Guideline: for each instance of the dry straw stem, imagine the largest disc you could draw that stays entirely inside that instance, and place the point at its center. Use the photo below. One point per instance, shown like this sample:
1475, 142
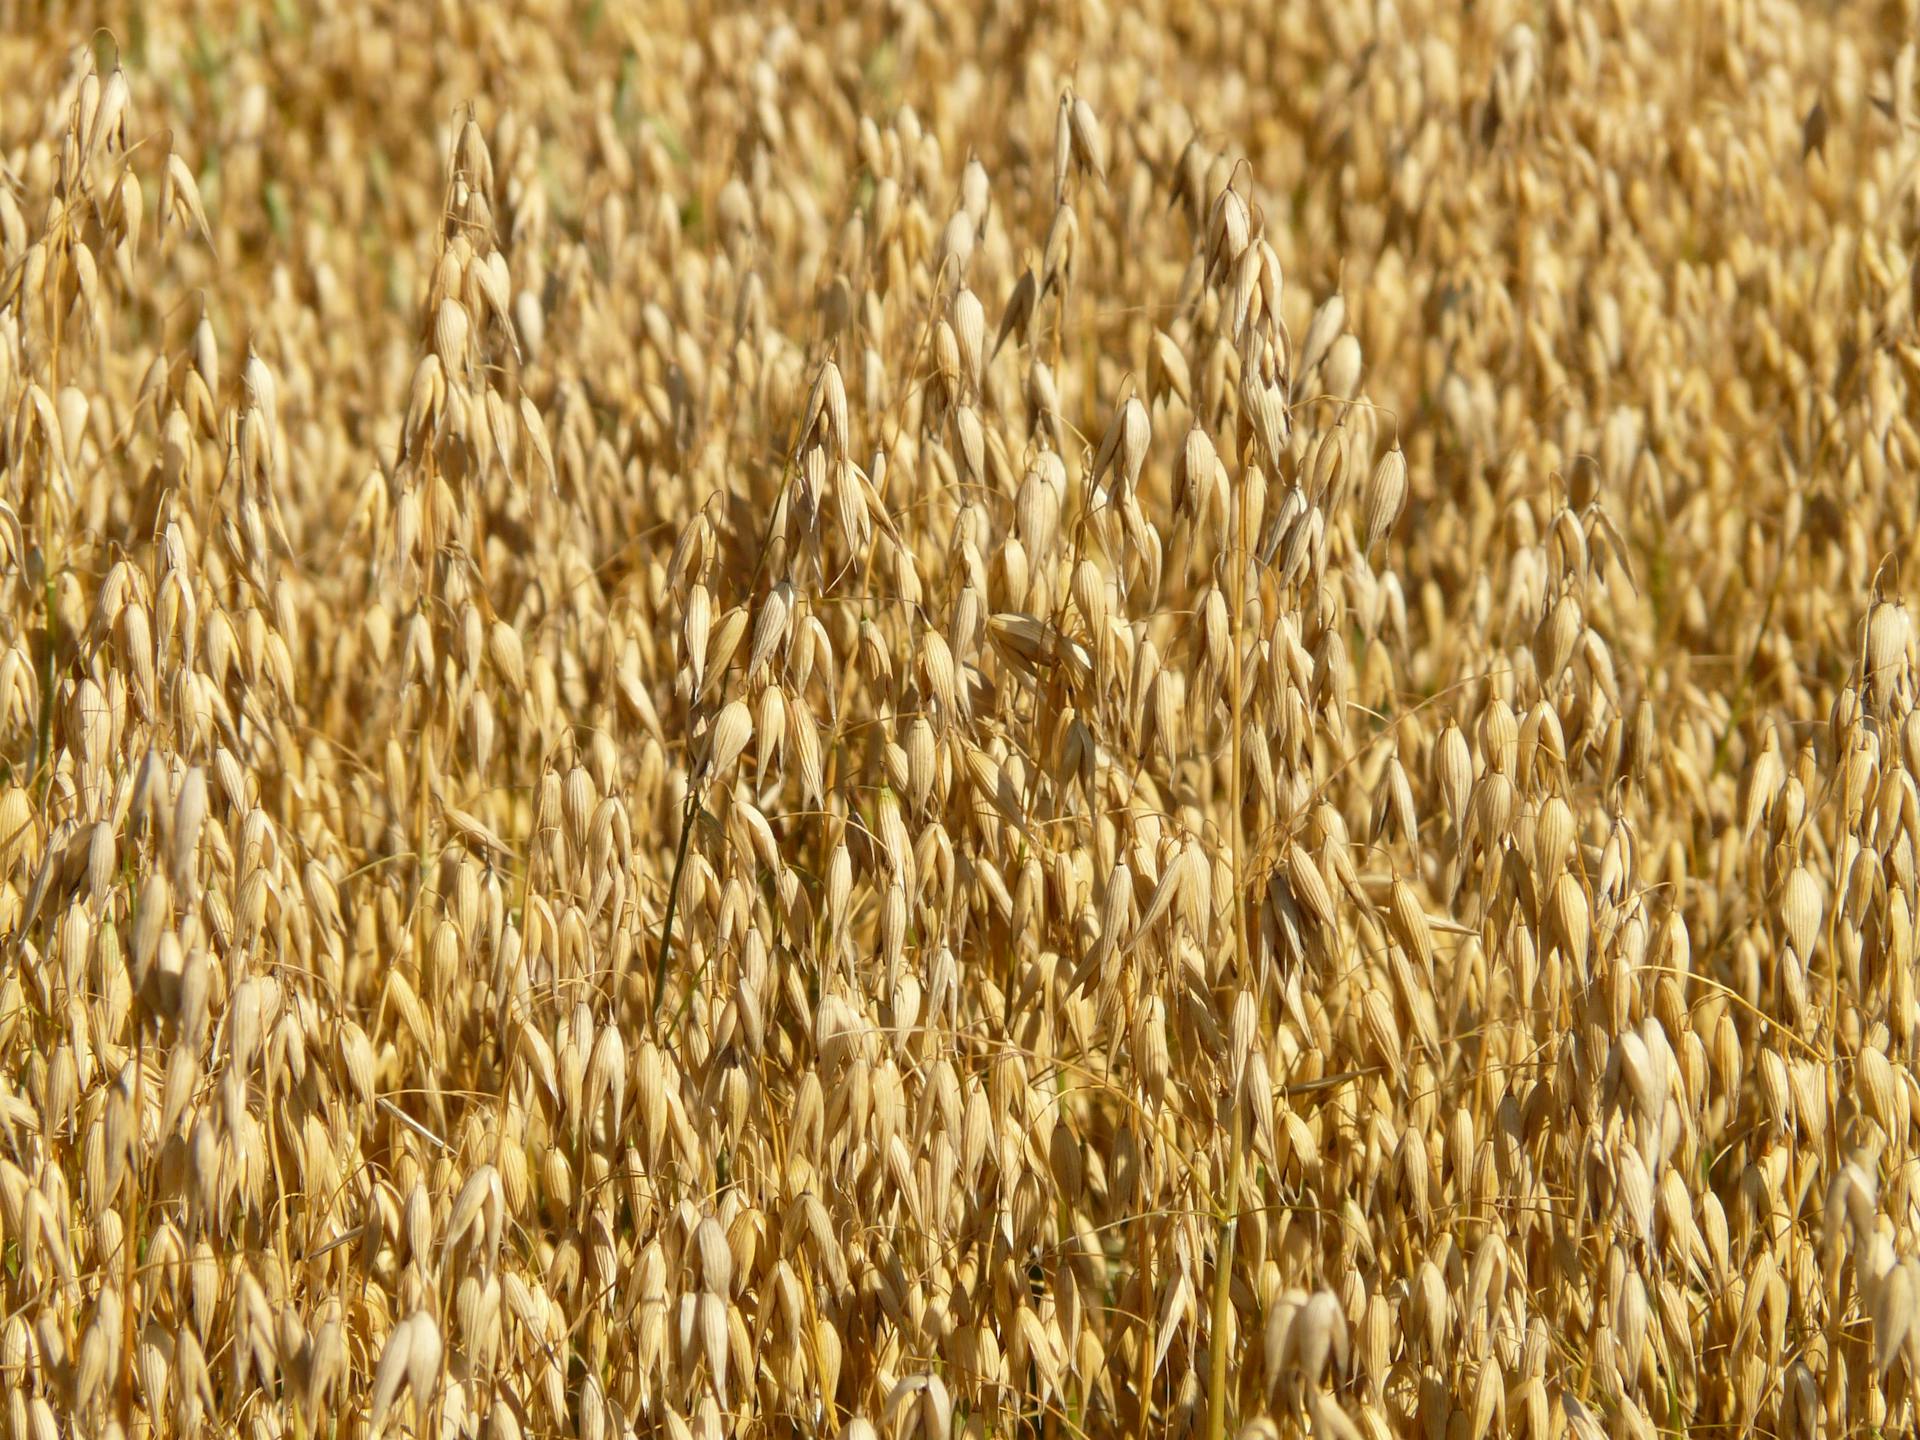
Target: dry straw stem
1174, 721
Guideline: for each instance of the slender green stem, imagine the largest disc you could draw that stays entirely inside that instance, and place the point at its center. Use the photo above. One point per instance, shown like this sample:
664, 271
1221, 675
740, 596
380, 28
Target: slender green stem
1223, 1282
691, 809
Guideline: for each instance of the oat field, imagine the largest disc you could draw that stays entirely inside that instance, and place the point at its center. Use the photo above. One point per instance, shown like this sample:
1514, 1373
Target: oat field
934, 720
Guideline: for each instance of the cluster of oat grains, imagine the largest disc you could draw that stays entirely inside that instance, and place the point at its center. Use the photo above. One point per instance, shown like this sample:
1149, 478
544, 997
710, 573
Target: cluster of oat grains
949, 721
